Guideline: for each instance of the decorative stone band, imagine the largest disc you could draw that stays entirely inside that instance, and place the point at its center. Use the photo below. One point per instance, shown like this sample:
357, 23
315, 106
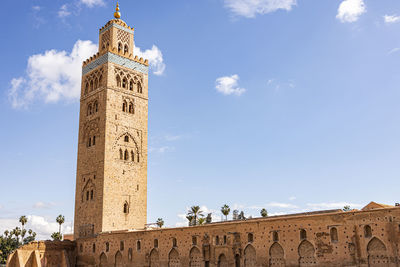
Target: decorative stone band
116, 26
113, 58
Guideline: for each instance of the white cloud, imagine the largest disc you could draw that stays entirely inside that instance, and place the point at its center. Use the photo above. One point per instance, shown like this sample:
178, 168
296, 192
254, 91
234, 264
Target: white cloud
52, 76
332, 205
389, 19
228, 85
155, 57
292, 198
36, 8
56, 75
92, 3
64, 12
350, 10
250, 8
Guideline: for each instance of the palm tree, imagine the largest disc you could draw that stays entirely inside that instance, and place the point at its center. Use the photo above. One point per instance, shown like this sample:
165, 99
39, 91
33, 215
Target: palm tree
6, 232
23, 220
60, 220
264, 213
201, 221
17, 233
23, 233
160, 222
195, 212
225, 210
190, 219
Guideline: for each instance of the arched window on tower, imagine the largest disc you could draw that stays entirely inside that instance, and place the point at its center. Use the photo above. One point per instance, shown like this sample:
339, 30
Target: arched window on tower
126, 208
91, 85
90, 142
124, 83
156, 243
118, 81
119, 47
121, 154
96, 106
139, 88
100, 80
131, 85
96, 83
89, 109
126, 49
91, 195
130, 107
132, 156
126, 155
86, 88
124, 106
126, 138
94, 140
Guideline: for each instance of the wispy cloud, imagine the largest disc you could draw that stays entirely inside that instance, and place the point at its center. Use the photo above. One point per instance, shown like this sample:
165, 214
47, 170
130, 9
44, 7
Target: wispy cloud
92, 3
390, 19
64, 12
394, 50
43, 205
250, 8
171, 138
277, 85
292, 198
229, 85
161, 150
38, 20
350, 10
332, 205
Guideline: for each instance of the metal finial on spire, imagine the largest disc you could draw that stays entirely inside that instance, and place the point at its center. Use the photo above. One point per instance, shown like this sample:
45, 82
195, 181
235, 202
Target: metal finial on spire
117, 14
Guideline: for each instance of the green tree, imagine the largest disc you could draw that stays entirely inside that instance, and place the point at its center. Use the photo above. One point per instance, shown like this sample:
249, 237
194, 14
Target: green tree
225, 209
201, 221
23, 220
60, 220
160, 222
264, 213
17, 233
209, 218
190, 219
56, 236
195, 212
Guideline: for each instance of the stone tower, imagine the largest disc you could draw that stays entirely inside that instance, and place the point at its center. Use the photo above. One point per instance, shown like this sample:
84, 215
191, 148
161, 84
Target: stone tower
111, 180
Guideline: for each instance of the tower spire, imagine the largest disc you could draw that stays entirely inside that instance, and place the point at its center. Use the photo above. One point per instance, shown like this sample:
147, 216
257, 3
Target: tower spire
117, 14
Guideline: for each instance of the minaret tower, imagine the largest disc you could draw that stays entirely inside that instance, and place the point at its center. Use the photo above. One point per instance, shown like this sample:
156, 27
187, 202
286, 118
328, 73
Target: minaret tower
111, 180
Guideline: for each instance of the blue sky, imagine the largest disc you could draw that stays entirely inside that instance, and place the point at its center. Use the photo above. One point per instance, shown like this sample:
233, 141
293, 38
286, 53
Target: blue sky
288, 105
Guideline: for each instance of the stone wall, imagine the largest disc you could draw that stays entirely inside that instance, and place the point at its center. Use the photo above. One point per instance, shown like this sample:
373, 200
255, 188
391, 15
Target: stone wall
356, 238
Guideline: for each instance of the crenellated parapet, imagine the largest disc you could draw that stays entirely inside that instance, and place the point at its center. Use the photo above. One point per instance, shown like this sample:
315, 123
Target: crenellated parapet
114, 50
119, 22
